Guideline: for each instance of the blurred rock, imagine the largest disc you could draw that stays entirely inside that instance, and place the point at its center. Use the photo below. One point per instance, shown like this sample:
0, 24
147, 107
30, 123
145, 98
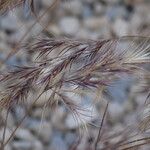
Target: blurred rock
115, 110
37, 145
44, 131
119, 90
117, 11
10, 119
24, 134
69, 25
121, 27
70, 138
41, 129
87, 11
9, 23
73, 7
94, 23
58, 117
8, 147
22, 145
39, 112
58, 142
19, 112
7, 133
99, 8
53, 29
47, 3
140, 99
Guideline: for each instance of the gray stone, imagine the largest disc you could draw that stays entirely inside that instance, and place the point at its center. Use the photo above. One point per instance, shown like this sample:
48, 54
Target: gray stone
116, 110
19, 112
10, 118
74, 7
99, 9
7, 133
44, 131
121, 27
119, 90
58, 143
69, 25
37, 145
41, 129
8, 147
22, 145
47, 3
24, 134
94, 23
10, 22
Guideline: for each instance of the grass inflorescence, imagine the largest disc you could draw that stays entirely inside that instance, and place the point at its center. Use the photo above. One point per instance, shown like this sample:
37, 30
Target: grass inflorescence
61, 63
63, 66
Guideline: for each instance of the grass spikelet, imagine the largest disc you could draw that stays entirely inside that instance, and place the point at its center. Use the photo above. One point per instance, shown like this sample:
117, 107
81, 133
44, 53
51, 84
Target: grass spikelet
6, 5
9, 4
62, 63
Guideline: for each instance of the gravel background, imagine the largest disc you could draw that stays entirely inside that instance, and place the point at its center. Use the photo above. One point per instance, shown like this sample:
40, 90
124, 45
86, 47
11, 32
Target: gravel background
45, 129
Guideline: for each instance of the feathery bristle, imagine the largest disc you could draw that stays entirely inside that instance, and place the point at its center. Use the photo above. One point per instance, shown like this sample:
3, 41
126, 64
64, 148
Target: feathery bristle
63, 63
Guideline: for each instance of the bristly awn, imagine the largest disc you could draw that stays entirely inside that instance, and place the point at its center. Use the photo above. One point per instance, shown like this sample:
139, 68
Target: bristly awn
28, 7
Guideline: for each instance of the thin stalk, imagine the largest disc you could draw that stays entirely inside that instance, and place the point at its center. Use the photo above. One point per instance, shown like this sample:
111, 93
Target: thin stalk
30, 28
22, 120
3, 139
100, 129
